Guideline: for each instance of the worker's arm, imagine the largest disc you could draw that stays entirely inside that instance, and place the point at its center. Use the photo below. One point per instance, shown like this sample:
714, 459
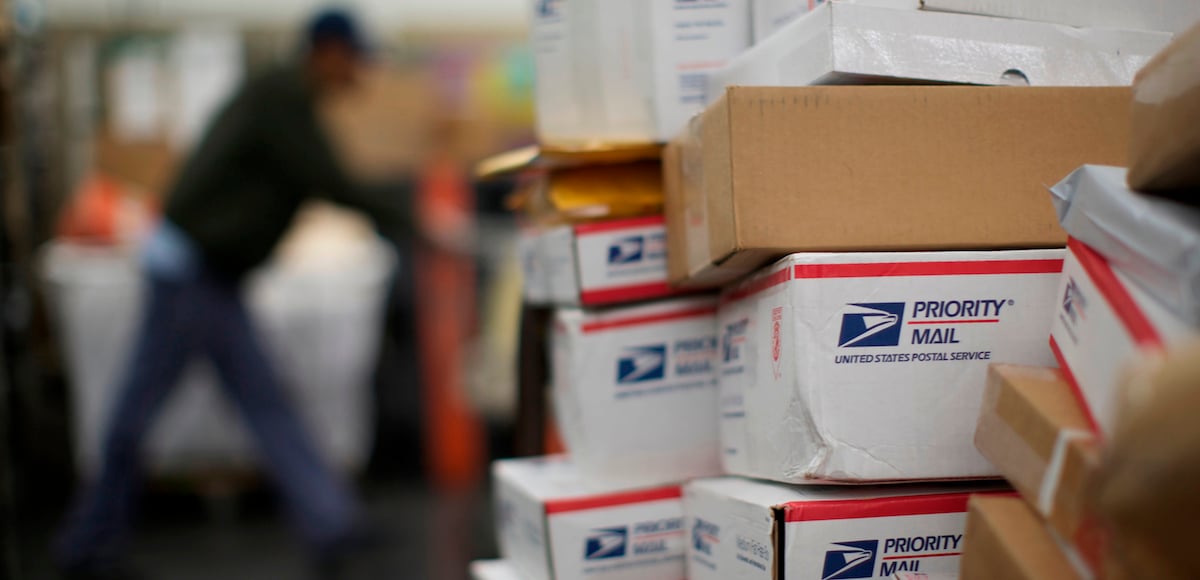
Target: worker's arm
300, 145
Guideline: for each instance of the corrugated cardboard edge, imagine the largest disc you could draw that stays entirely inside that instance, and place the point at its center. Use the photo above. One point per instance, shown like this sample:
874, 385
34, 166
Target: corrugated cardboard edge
1163, 145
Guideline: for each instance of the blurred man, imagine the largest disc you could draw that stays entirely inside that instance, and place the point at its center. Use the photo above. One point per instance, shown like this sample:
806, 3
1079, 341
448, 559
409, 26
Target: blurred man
263, 156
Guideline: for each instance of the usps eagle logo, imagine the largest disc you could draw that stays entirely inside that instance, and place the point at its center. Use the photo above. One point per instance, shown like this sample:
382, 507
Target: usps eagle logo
872, 324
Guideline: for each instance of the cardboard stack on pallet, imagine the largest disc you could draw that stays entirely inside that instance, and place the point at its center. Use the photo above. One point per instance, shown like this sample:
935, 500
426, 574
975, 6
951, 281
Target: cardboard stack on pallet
875, 246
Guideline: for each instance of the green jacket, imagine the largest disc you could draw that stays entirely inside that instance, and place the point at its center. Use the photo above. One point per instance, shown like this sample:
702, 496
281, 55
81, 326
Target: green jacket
263, 156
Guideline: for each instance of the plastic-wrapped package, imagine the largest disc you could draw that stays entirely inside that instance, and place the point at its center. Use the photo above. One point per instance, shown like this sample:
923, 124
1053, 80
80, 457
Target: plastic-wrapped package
1155, 241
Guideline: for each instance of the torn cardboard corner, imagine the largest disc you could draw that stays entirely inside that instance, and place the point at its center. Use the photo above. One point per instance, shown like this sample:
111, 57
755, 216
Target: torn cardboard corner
870, 367
1164, 145
494, 570
853, 43
1164, 15
555, 524
751, 530
769, 171
1005, 540
1033, 430
635, 391
1155, 241
1102, 321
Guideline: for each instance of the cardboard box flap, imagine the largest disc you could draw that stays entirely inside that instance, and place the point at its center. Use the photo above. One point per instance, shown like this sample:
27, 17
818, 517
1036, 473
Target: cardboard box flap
1164, 150
1155, 241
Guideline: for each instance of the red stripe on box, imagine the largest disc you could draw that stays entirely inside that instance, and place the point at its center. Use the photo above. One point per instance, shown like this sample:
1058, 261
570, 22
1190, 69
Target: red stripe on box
892, 269
625, 294
559, 506
755, 286
1114, 291
884, 507
647, 319
617, 225
1075, 388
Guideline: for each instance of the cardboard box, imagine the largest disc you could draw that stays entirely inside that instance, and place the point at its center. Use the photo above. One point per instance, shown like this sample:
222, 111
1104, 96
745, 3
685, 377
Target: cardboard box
871, 366
1034, 431
1165, 15
148, 165
780, 170
555, 524
1006, 541
1101, 321
852, 43
744, 529
629, 70
603, 263
1164, 152
1153, 240
494, 570
635, 389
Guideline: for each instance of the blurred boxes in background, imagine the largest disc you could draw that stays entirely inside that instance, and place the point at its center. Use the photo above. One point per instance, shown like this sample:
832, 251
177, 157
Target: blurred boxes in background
605, 262
1165, 151
635, 390
858, 43
765, 171
1005, 540
555, 524
870, 366
623, 71
1166, 15
747, 529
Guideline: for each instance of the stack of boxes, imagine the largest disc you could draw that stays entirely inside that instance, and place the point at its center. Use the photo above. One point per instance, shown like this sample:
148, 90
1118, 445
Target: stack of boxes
873, 249
1128, 294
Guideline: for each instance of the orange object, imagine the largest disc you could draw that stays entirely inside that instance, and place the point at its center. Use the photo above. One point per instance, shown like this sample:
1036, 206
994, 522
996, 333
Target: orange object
91, 214
445, 285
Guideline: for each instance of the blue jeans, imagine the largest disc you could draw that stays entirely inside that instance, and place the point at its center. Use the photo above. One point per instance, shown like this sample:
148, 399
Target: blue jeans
192, 311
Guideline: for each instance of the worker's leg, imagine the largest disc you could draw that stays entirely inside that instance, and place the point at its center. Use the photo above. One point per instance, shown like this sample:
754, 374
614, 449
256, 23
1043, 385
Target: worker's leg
320, 502
166, 338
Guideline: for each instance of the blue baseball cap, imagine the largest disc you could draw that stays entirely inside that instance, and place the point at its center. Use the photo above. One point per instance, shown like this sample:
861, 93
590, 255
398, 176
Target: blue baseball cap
336, 25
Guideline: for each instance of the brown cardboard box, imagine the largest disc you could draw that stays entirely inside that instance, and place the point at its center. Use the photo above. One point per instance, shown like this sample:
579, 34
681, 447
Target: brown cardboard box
1164, 144
148, 165
1033, 430
672, 168
1006, 541
863, 168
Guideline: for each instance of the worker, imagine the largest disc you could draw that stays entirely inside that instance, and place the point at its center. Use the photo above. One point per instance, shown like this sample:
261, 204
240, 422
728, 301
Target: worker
264, 154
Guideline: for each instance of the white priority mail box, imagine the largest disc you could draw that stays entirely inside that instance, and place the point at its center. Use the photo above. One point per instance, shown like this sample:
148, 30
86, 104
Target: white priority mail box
494, 570
856, 367
841, 42
635, 392
555, 524
1166, 15
742, 529
1156, 241
605, 262
1102, 321
628, 70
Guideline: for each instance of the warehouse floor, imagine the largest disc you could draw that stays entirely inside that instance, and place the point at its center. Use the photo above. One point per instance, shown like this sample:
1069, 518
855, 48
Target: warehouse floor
186, 537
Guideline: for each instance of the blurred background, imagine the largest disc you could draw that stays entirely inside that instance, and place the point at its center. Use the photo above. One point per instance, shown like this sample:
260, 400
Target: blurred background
400, 359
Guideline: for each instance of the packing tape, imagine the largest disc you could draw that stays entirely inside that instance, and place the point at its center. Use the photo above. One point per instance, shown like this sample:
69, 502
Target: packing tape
1054, 469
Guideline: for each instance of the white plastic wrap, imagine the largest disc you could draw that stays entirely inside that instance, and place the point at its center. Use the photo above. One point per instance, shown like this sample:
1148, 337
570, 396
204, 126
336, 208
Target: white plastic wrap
1155, 241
